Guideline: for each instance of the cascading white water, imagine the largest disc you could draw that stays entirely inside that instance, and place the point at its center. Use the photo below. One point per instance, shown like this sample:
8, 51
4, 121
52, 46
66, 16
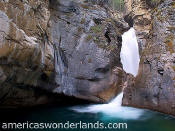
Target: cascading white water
112, 109
130, 59
130, 52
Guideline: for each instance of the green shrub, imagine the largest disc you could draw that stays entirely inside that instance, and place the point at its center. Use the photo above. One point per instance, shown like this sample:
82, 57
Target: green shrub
117, 4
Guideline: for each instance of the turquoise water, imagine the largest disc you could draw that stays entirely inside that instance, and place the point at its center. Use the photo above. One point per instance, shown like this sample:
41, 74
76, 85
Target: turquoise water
149, 121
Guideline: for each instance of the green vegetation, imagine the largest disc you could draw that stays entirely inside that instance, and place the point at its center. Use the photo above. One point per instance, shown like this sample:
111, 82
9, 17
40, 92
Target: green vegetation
79, 29
156, 1
173, 68
96, 40
83, 20
96, 28
159, 16
173, 4
117, 4
89, 37
171, 28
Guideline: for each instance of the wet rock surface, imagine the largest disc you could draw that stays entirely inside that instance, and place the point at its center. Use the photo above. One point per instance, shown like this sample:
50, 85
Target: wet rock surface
63, 47
87, 50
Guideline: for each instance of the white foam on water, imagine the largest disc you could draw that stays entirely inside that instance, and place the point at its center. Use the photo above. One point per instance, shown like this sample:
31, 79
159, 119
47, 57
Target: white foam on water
112, 109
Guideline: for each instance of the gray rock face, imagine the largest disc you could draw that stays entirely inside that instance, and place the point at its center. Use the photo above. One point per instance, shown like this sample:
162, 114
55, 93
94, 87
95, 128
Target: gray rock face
87, 49
68, 47
154, 87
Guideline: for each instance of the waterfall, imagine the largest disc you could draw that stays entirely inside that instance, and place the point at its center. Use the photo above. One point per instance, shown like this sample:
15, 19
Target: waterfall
130, 59
112, 109
130, 52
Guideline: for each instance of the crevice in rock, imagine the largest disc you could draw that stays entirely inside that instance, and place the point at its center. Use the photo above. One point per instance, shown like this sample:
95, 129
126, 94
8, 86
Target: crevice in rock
119, 39
95, 79
103, 70
128, 18
44, 77
97, 21
161, 71
107, 37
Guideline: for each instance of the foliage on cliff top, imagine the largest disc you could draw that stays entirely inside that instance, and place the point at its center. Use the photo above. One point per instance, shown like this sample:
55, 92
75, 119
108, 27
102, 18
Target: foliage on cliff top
117, 4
